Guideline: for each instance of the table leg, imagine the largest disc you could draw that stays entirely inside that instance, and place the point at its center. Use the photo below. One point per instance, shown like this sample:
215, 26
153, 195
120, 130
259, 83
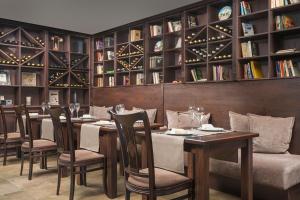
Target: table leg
247, 171
110, 151
201, 175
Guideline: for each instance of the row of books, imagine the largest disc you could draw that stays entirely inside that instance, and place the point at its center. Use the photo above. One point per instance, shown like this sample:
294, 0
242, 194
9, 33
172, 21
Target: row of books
220, 73
155, 30
111, 81
249, 49
245, 8
135, 35
157, 77
284, 22
99, 44
197, 75
139, 79
100, 82
252, 70
192, 21
99, 69
279, 3
108, 41
286, 68
174, 26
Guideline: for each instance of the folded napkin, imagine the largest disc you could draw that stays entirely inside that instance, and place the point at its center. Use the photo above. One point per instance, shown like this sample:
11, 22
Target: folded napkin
178, 131
47, 129
89, 137
168, 152
24, 122
104, 122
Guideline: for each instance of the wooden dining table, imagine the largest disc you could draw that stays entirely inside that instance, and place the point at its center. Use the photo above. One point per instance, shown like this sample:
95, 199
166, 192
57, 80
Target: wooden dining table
203, 148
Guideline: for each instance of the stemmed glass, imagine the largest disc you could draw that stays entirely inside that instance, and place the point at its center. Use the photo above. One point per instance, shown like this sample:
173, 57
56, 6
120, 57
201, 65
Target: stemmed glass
72, 108
77, 108
44, 106
196, 112
120, 108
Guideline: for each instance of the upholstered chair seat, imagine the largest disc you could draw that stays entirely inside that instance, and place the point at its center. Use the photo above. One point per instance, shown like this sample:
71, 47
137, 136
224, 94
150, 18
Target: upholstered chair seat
163, 179
13, 136
82, 157
39, 145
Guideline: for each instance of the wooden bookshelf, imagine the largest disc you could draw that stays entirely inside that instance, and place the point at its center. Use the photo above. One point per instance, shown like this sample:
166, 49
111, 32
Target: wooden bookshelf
27, 48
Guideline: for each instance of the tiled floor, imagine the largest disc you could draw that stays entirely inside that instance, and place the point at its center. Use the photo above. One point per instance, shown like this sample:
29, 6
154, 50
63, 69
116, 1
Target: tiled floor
43, 185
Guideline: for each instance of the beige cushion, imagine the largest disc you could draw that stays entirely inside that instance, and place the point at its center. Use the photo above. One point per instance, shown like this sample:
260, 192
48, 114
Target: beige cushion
12, 136
277, 170
40, 145
163, 178
274, 133
82, 156
150, 112
183, 119
239, 122
100, 112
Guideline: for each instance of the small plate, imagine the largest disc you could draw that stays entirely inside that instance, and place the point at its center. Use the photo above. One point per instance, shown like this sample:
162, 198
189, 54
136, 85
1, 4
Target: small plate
212, 130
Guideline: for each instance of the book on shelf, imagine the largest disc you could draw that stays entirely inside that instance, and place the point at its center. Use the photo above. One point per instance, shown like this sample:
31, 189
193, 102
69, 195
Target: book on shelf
280, 3
135, 35
99, 69
156, 77
139, 79
249, 49
99, 44
99, 57
178, 42
192, 21
155, 30
253, 70
286, 68
110, 55
220, 73
125, 80
54, 97
245, 8
197, 75
178, 58
284, 51
100, 82
174, 26
248, 29
108, 41
156, 62
283, 22
158, 46
111, 81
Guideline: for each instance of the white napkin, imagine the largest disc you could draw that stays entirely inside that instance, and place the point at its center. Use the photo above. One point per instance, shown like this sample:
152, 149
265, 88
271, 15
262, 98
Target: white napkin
89, 137
47, 130
104, 122
24, 123
178, 131
168, 152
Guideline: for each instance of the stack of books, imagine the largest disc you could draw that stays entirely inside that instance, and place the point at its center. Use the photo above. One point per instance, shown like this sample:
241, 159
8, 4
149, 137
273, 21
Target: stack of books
156, 77
279, 3
139, 79
245, 8
135, 35
155, 30
252, 70
219, 73
249, 49
284, 22
174, 26
286, 68
197, 75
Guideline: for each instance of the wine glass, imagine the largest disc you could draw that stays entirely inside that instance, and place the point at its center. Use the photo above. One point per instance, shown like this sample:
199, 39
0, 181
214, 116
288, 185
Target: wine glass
77, 108
120, 108
72, 108
44, 106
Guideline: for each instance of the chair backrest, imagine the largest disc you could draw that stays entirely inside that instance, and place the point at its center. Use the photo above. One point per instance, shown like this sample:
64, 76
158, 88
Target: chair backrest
28, 127
64, 144
3, 120
127, 135
19, 110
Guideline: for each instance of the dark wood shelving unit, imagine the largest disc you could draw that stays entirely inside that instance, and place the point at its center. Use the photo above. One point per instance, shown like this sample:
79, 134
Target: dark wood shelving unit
34, 53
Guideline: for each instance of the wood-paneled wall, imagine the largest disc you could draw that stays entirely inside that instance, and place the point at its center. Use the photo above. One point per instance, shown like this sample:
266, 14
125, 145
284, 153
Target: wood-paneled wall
280, 98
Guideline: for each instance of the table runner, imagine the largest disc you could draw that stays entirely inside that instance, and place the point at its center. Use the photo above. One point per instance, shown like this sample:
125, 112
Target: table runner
47, 130
89, 137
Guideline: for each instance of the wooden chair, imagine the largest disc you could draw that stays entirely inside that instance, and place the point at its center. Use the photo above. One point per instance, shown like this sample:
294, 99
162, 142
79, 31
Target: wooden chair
151, 182
35, 148
71, 158
8, 140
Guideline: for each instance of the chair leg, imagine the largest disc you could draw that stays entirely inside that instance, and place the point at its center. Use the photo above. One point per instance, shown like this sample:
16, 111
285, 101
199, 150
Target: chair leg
84, 176
45, 161
105, 176
22, 163
58, 179
30, 166
4, 154
72, 183
191, 193
127, 194
152, 197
